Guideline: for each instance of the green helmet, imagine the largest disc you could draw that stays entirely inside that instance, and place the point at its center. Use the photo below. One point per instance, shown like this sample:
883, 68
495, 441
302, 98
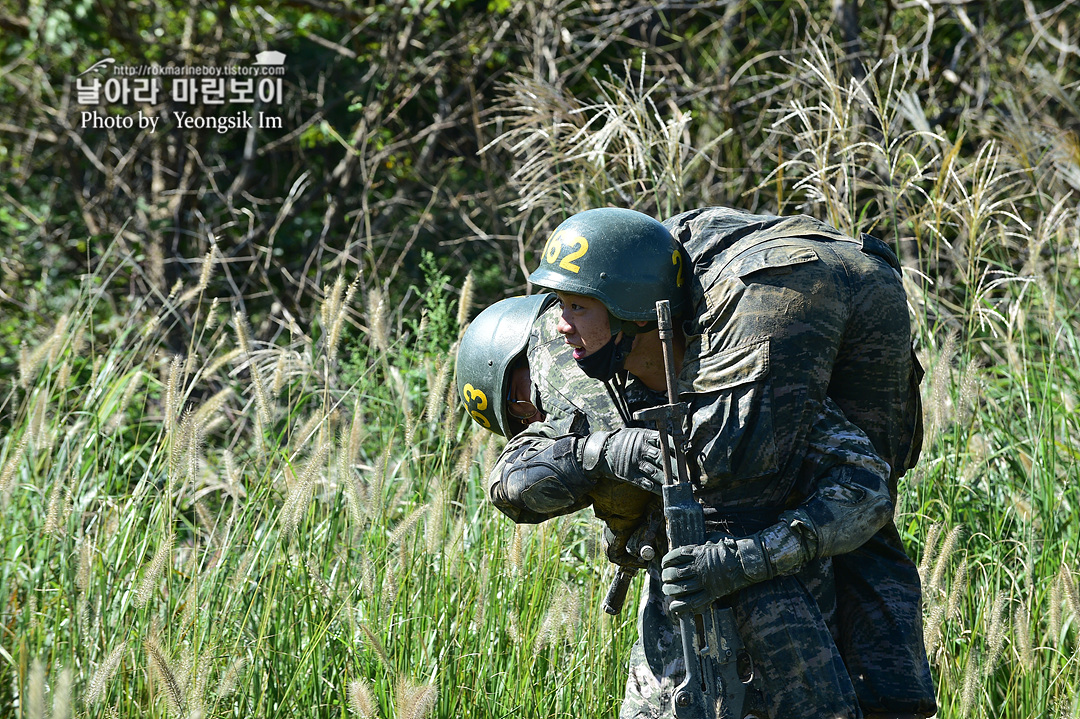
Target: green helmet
488, 350
623, 258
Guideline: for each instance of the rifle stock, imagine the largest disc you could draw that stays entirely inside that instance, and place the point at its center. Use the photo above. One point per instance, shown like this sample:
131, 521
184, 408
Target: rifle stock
712, 688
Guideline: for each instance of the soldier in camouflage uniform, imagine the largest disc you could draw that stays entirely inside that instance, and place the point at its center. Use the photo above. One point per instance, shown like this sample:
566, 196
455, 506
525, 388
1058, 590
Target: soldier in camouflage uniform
725, 356
838, 454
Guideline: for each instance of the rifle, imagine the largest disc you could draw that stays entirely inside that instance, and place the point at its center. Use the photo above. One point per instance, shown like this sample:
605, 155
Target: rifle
712, 688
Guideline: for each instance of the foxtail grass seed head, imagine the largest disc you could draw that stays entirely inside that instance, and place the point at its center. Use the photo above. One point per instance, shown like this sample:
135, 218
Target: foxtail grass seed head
172, 392
376, 646
972, 683
61, 708
437, 391
95, 692
230, 678
86, 558
958, 590
63, 375
513, 627
465, 302
133, 383
281, 368
414, 700
379, 321
1068, 587
932, 629
299, 495
434, 529
995, 635
166, 674
1055, 600
929, 551
1022, 637
362, 700
152, 571
948, 547
16, 452
516, 558
212, 407
55, 516
35, 691
212, 315
204, 275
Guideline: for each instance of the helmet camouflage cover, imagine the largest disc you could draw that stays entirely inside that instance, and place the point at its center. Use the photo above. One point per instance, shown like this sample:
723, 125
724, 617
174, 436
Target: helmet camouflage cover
623, 258
487, 352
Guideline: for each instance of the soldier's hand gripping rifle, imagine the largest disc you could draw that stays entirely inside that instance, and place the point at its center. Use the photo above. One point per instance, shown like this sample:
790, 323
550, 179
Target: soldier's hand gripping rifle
712, 688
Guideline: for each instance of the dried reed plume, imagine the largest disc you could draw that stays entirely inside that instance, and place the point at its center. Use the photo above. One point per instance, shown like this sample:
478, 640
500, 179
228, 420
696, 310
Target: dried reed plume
152, 571
362, 699
96, 690
414, 700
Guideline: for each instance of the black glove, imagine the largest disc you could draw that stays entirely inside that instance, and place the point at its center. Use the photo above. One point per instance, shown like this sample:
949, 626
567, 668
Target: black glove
631, 454
694, 576
632, 547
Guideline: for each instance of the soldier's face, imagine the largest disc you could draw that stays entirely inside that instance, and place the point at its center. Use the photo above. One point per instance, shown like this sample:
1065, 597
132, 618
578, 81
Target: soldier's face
583, 323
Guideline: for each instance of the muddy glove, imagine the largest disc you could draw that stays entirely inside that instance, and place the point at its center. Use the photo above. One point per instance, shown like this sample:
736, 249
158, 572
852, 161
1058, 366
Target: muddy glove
631, 455
632, 547
695, 576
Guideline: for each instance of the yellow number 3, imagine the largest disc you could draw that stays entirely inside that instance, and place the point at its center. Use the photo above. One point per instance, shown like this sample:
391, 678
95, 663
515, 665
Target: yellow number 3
554, 248
471, 393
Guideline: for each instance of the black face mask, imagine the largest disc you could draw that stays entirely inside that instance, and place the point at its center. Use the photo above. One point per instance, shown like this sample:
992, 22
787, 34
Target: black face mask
606, 361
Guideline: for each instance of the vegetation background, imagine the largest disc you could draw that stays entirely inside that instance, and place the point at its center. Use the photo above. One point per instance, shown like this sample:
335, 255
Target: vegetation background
234, 478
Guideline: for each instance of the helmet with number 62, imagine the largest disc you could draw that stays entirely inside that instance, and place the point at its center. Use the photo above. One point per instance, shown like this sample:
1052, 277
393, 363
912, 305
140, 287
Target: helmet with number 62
488, 351
623, 258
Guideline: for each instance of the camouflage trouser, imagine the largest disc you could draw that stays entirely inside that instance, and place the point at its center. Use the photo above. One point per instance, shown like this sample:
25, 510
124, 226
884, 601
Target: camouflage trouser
796, 670
782, 324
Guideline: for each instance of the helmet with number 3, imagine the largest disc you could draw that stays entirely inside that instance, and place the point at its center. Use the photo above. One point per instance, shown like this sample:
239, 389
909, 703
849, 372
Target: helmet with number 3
488, 351
623, 258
